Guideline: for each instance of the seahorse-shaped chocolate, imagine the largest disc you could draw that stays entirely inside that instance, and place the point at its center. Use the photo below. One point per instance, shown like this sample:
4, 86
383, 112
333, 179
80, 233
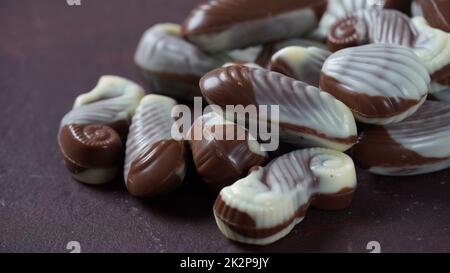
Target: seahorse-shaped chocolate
266, 205
90, 134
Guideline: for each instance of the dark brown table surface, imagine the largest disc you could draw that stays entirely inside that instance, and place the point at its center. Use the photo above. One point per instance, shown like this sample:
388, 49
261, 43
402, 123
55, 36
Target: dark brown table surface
50, 53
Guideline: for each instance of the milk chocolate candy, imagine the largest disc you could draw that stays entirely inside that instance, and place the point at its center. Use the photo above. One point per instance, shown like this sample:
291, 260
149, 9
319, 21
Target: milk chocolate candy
154, 161
300, 63
221, 25
308, 117
90, 135
224, 151
372, 26
171, 65
266, 205
338, 9
437, 13
381, 83
440, 92
432, 45
417, 145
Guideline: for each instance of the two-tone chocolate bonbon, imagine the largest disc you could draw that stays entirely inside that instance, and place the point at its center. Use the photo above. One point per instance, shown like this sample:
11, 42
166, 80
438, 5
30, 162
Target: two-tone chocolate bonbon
308, 117
154, 160
417, 145
381, 83
221, 25
223, 151
266, 205
300, 63
171, 65
90, 134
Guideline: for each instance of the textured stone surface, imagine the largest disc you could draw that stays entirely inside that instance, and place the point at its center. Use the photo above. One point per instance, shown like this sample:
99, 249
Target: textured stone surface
50, 53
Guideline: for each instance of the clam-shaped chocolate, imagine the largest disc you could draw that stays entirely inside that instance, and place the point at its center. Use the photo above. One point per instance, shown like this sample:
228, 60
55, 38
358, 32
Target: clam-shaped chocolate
308, 117
154, 160
266, 205
223, 151
221, 25
417, 145
380, 83
90, 134
172, 65
300, 63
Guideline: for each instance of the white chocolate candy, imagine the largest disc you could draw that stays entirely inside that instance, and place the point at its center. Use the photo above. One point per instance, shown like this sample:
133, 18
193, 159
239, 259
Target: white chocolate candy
265, 206
417, 145
381, 83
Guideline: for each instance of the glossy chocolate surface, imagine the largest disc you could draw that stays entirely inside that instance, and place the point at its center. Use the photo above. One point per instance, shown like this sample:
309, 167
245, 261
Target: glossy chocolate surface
303, 64
324, 120
416, 145
437, 13
381, 83
154, 161
266, 205
219, 160
221, 25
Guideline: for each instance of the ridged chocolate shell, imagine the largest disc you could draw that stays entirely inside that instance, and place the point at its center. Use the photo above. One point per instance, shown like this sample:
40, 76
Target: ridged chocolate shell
417, 145
221, 25
437, 13
381, 83
223, 152
265, 206
154, 161
307, 116
300, 63
112, 102
372, 26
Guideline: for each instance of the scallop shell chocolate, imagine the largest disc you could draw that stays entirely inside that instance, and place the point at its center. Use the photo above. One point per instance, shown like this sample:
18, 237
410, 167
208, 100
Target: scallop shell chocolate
417, 145
381, 83
266, 205
90, 134
308, 117
170, 64
223, 151
154, 160
300, 63
222, 25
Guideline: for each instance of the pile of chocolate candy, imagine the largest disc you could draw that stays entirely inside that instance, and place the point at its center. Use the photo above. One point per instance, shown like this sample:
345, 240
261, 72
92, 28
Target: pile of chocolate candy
368, 77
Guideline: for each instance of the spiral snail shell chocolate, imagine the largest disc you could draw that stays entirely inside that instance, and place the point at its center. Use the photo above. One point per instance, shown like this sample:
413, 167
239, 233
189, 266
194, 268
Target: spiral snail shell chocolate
154, 160
266, 205
93, 152
222, 150
300, 63
308, 117
90, 134
381, 83
372, 26
222, 25
420, 144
